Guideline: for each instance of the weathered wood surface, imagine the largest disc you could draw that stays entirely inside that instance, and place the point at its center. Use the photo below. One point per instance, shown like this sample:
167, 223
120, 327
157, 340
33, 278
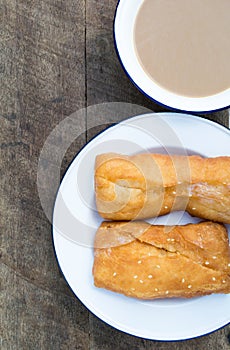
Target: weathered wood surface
56, 57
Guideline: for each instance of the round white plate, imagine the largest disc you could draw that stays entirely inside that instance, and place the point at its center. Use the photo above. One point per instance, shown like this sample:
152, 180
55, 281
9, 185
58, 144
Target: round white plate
75, 222
124, 42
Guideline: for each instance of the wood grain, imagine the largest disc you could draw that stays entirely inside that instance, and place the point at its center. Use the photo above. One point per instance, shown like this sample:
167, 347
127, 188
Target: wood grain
56, 57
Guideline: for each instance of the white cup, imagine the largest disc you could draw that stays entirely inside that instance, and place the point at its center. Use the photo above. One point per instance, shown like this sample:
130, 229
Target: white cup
124, 21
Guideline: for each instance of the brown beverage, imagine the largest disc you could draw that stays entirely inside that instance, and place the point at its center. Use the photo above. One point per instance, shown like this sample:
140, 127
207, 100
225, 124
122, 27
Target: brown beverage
184, 45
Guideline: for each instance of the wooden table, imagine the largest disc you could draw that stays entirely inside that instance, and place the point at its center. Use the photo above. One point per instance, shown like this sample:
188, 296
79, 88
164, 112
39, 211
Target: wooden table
57, 56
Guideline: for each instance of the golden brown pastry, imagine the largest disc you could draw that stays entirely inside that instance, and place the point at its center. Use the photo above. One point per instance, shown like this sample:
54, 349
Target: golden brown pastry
149, 185
148, 262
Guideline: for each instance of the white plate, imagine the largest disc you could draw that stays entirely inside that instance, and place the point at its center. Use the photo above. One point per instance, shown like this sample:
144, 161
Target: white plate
124, 40
75, 222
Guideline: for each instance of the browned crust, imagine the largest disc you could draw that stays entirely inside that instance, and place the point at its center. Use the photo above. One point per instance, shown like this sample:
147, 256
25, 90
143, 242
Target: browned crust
148, 262
150, 185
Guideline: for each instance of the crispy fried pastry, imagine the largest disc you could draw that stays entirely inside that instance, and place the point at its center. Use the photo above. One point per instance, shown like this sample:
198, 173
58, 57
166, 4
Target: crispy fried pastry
150, 185
148, 262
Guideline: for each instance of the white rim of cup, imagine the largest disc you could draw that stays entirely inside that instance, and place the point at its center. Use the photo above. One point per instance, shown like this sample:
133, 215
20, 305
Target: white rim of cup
124, 20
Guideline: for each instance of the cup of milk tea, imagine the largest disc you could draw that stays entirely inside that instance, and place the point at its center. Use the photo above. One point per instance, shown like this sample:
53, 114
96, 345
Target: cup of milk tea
177, 52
